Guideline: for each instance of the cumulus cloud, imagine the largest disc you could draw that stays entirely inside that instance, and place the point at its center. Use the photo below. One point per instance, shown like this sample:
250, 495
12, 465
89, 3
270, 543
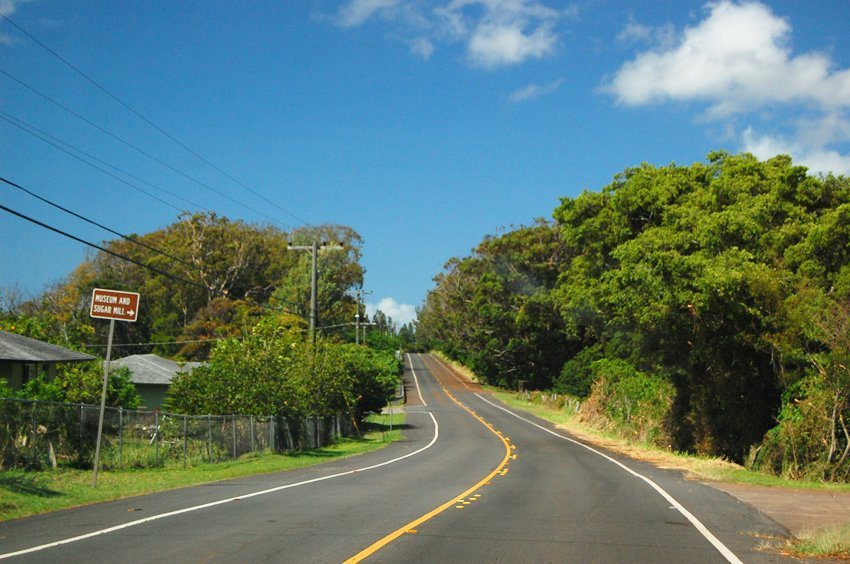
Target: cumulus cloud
533, 91
737, 61
401, 314
817, 158
495, 33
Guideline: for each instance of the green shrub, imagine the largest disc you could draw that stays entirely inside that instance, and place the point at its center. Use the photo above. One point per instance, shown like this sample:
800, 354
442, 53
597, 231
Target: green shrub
631, 403
576, 376
812, 439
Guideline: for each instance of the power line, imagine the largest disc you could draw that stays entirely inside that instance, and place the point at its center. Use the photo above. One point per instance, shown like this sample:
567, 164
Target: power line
92, 222
57, 143
98, 247
167, 342
148, 121
137, 148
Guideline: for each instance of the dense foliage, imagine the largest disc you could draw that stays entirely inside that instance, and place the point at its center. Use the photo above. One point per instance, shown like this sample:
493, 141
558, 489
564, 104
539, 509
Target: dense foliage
711, 294
82, 383
231, 292
276, 371
216, 278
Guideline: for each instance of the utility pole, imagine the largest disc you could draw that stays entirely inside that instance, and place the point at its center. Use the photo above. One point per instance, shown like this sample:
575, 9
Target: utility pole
314, 278
357, 315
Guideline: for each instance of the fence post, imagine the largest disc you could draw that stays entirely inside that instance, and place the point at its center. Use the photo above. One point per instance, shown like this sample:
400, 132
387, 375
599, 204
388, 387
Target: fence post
156, 438
209, 436
272, 443
81, 424
288, 434
233, 424
33, 406
253, 446
120, 436
184, 442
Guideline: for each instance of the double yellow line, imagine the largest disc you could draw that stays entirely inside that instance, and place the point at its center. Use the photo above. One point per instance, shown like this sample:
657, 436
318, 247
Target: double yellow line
411, 527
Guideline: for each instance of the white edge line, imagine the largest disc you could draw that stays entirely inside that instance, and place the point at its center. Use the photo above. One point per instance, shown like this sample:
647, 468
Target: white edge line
728, 554
222, 501
416, 380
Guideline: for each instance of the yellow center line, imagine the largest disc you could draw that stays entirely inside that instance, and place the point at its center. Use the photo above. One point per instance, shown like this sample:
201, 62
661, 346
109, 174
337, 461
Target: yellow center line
375, 547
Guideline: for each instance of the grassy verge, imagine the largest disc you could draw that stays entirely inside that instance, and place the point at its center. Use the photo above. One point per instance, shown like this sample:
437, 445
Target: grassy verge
29, 493
697, 467
831, 542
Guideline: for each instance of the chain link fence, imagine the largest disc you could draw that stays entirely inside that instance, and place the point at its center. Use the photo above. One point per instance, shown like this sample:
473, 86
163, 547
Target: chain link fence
40, 434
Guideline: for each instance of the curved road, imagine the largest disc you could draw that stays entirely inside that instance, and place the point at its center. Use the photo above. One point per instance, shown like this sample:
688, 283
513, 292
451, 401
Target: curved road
471, 482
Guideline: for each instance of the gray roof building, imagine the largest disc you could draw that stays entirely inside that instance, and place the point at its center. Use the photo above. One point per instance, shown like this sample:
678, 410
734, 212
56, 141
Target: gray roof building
152, 375
23, 358
18, 348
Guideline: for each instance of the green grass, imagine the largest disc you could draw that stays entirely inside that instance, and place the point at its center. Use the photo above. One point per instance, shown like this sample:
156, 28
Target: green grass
703, 467
832, 542
29, 493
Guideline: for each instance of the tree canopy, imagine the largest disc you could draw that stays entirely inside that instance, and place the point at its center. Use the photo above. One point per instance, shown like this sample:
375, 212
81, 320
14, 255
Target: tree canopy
718, 281
213, 278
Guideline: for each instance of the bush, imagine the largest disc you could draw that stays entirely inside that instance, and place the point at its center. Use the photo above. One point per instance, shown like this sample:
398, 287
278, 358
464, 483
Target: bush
812, 439
631, 403
5, 390
83, 383
576, 376
275, 371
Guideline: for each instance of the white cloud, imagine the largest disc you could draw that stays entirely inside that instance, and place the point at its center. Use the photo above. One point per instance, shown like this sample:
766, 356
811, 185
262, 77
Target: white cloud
817, 158
401, 314
423, 47
504, 32
358, 11
493, 45
737, 61
633, 31
495, 33
533, 91
7, 8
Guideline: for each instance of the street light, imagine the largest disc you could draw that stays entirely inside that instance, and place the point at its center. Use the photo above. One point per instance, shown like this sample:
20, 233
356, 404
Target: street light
314, 251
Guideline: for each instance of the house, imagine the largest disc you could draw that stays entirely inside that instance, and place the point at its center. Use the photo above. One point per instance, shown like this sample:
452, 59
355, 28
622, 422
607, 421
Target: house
23, 358
152, 375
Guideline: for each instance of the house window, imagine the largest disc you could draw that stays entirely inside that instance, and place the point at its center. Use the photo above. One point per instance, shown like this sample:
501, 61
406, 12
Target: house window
30, 372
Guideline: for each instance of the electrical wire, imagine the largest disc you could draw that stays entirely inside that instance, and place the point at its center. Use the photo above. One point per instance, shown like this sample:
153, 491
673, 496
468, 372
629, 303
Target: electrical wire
166, 342
98, 247
139, 149
68, 149
146, 120
92, 222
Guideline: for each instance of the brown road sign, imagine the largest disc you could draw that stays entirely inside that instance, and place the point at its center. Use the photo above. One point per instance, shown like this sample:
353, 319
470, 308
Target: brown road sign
114, 304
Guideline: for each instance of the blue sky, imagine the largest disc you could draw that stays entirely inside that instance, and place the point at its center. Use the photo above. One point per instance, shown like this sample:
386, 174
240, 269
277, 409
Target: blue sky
425, 126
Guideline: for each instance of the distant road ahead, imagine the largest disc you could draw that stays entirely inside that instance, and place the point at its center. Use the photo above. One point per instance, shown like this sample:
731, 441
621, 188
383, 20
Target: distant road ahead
471, 482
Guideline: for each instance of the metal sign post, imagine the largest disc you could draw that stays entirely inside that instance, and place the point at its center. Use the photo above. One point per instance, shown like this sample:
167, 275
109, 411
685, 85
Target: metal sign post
111, 305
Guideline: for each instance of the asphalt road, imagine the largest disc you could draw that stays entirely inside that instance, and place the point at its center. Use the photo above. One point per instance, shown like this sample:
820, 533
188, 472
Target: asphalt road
471, 482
